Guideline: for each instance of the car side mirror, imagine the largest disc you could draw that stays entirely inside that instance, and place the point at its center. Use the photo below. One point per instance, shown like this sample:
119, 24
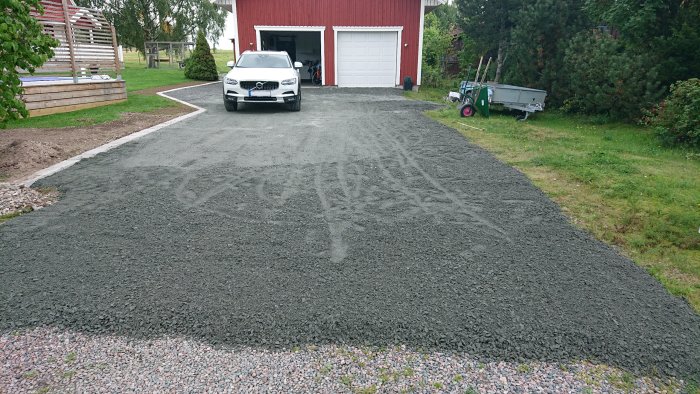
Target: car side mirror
230, 64
298, 65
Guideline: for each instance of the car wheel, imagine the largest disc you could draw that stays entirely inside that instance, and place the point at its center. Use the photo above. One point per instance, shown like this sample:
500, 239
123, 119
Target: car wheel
231, 106
296, 105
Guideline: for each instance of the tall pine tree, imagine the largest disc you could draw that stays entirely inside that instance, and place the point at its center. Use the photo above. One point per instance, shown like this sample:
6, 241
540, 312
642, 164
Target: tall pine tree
489, 24
539, 38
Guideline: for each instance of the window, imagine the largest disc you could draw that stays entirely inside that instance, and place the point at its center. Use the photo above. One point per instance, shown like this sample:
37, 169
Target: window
263, 60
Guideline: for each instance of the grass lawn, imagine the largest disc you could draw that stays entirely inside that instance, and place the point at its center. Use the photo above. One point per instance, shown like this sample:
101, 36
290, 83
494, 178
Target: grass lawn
615, 180
93, 116
221, 57
134, 62
137, 78
6, 217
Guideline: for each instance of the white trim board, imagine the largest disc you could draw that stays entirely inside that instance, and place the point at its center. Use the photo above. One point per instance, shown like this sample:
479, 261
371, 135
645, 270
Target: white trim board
121, 141
320, 29
419, 75
397, 29
234, 9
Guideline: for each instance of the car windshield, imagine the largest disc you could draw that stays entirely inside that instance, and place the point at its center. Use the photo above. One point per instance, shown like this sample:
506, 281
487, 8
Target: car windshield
263, 60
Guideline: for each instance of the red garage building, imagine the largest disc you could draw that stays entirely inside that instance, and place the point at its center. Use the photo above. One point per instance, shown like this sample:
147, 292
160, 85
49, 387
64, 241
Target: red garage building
359, 43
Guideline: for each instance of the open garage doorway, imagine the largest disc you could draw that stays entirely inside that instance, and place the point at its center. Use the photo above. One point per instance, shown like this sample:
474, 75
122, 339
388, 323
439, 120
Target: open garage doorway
303, 44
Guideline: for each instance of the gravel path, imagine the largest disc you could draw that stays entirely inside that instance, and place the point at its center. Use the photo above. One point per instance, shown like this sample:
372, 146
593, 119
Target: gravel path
54, 361
356, 222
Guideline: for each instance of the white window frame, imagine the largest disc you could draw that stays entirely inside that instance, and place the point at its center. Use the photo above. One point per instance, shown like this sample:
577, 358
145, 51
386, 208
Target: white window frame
395, 29
318, 29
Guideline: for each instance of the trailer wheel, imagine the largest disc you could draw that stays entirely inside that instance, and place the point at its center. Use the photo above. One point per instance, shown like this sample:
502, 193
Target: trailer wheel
467, 111
522, 116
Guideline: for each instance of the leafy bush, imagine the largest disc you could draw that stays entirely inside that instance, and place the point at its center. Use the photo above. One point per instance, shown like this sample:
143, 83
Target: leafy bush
432, 76
677, 119
608, 78
23, 45
437, 44
201, 65
467, 54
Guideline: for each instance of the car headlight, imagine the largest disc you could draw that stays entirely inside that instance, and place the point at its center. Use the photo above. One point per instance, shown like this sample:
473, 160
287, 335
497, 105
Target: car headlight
230, 81
291, 81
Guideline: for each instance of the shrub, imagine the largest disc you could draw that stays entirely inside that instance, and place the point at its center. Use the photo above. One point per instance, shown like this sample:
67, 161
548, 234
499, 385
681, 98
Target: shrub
608, 78
432, 76
201, 65
437, 44
677, 119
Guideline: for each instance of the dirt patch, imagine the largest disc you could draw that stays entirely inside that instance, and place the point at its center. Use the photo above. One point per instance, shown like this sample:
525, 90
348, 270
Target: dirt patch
25, 151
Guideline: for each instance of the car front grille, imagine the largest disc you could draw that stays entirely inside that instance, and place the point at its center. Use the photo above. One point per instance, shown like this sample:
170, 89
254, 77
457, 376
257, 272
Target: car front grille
254, 98
266, 85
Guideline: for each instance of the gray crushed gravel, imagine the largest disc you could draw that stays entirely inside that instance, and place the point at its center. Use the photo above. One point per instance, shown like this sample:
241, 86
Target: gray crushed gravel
54, 361
356, 222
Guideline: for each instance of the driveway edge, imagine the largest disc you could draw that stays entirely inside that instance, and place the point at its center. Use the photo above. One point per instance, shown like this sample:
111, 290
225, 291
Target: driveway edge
120, 141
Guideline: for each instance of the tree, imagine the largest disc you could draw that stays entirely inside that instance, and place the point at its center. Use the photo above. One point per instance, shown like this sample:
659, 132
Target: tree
201, 65
446, 17
655, 42
489, 24
607, 78
636, 20
437, 43
540, 35
598, 57
139, 21
670, 29
23, 45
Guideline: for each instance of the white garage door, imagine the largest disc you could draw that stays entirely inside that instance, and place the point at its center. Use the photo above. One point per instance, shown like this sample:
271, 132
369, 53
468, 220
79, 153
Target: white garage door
367, 58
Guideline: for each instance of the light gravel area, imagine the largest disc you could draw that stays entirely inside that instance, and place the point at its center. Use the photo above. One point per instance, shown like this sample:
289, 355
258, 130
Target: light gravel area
14, 198
48, 360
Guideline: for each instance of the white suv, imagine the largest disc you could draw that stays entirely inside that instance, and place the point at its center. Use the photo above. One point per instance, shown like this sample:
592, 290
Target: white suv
263, 77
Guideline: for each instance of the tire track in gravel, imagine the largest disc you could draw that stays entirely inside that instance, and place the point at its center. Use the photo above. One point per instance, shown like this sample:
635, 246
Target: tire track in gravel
442, 199
406, 159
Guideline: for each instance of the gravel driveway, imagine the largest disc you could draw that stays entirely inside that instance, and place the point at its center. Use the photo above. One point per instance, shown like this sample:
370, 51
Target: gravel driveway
357, 221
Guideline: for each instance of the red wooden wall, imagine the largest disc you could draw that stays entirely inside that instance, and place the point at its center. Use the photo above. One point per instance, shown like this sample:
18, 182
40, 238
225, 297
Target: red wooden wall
331, 13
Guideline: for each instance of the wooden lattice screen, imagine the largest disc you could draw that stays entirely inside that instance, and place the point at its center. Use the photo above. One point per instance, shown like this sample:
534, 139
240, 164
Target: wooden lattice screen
87, 40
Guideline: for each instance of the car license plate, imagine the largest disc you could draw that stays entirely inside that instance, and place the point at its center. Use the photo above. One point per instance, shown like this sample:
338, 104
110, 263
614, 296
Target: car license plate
259, 93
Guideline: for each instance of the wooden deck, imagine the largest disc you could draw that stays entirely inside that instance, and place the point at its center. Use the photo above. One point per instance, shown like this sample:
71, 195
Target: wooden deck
52, 98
